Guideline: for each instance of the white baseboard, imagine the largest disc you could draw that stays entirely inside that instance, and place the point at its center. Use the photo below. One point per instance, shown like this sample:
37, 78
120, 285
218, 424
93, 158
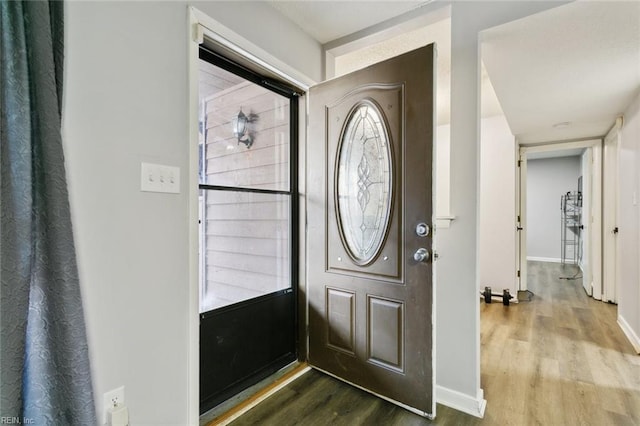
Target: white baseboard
462, 402
631, 335
544, 259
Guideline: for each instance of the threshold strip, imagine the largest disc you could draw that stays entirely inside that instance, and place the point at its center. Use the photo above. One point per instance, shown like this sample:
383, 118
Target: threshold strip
246, 405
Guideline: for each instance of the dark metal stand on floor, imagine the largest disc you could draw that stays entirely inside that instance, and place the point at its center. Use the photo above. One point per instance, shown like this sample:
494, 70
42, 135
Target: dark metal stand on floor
571, 227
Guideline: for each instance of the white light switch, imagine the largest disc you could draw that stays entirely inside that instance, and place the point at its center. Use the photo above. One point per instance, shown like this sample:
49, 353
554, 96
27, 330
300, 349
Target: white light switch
159, 178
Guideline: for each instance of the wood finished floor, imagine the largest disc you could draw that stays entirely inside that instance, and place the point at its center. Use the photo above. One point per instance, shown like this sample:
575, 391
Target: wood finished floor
559, 359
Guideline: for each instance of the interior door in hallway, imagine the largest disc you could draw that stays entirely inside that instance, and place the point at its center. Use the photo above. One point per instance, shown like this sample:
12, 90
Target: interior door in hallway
521, 220
370, 214
610, 186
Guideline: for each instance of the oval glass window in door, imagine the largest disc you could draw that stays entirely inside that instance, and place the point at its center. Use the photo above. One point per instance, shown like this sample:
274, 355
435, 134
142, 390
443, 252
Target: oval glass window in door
363, 196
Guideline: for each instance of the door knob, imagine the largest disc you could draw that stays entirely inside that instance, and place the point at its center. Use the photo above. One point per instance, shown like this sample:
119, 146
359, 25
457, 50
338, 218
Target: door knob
421, 255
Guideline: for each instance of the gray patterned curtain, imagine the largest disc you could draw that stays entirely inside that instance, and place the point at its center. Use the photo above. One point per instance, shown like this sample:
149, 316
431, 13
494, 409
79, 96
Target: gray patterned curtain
45, 374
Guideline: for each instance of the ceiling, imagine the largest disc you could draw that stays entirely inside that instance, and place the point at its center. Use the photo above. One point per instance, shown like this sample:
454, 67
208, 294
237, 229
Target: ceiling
326, 21
577, 64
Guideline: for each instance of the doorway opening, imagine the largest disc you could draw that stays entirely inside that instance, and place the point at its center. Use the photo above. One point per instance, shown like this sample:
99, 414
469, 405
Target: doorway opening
385, 308
560, 210
248, 227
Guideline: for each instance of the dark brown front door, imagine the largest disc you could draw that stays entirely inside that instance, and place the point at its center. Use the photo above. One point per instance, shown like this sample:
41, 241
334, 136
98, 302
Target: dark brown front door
370, 217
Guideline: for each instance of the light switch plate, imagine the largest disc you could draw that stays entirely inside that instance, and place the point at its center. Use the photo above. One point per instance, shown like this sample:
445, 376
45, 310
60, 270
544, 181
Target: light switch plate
159, 178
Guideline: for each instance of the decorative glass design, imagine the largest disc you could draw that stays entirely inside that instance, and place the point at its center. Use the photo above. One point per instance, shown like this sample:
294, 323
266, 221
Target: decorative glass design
363, 195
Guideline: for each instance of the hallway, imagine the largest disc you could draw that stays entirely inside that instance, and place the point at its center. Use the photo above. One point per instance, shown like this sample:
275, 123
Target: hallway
559, 359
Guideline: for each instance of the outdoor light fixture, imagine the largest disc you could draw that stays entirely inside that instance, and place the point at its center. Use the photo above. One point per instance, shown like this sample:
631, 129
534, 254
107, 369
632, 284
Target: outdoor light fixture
243, 128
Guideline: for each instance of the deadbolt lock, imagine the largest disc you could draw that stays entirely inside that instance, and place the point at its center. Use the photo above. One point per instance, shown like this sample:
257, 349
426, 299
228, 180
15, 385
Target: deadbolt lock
422, 229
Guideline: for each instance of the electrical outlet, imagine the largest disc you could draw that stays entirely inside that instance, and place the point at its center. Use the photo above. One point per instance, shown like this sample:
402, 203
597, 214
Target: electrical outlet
112, 398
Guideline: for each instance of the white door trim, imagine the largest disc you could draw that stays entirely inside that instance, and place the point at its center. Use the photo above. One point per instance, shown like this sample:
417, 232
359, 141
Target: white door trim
203, 26
587, 185
596, 222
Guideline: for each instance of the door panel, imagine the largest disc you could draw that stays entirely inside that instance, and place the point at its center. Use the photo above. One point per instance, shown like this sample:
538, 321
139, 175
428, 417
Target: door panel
610, 217
243, 343
521, 227
341, 320
385, 332
370, 186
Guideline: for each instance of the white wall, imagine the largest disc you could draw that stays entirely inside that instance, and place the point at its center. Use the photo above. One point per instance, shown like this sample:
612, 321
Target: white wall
125, 102
458, 315
126, 91
629, 236
547, 180
497, 252
443, 175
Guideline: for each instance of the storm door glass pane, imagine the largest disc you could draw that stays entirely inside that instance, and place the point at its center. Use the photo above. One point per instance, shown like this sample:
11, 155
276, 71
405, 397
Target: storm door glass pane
245, 132
246, 246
